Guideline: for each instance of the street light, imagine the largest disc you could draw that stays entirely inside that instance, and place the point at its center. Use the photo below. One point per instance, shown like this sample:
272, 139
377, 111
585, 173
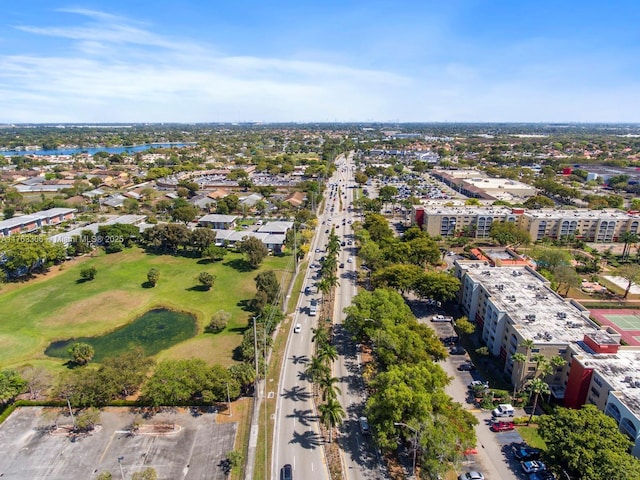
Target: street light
415, 444
120, 464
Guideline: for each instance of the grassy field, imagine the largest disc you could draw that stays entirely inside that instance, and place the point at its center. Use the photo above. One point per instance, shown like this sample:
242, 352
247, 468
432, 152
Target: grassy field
57, 307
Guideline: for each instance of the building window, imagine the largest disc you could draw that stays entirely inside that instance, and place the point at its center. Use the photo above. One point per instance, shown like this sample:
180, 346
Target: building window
597, 381
595, 391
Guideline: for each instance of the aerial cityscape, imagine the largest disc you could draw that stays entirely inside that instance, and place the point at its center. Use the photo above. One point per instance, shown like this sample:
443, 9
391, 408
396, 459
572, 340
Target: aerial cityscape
355, 241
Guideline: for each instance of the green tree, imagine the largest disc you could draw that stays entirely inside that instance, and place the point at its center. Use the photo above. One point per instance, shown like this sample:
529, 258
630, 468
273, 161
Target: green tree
104, 475
464, 326
588, 444
331, 415
124, 373
153, 275
201, 239
551, 257
399, 276
329, 387
184, 214
509, 233
317, 369
214, 253
628, 238
437, 286
254, 250
267, 282
86, 419
566, 277
146, 474
631, 273
8, 212
11, 385
206, 279
537, 387
538, 202
81, 353
176, 381
219, 321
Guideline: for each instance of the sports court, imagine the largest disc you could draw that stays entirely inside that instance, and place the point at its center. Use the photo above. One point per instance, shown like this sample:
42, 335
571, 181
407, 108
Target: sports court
624, 321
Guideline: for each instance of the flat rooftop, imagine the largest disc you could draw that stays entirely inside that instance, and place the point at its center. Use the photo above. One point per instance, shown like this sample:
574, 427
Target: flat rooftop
582, 213
537, 311
622, 371
466, 210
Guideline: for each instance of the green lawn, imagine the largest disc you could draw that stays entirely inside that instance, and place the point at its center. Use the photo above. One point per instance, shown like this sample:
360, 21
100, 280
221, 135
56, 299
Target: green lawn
57, 307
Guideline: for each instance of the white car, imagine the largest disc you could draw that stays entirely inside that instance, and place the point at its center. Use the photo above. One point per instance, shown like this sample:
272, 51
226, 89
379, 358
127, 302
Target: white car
350, 260
297, 328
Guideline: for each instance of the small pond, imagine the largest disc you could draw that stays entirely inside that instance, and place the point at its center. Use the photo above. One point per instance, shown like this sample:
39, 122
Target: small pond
154, 331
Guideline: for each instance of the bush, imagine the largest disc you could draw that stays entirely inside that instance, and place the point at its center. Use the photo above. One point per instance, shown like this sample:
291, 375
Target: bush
88, 273
218, 322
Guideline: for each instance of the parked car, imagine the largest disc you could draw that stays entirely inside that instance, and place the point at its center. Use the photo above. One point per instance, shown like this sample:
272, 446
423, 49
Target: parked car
526, 453
297, 328
503, 410
472, 475
502, 426
466, 367
477, 384
542, 476
450, 340
532, 466
286, 472
457, 350
350, 260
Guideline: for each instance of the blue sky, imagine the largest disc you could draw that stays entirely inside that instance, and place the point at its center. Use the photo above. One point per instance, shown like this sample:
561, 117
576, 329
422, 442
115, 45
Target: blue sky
402, 61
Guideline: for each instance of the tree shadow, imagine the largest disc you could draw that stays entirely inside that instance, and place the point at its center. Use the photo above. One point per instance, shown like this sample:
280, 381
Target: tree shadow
83, 280
297, 394
299, 359
147, 284
239, 264
198, 288
205, 261
246, 305
309, 440
304, 417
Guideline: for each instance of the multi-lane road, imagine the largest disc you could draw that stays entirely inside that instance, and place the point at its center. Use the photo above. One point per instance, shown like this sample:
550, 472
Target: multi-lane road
297, 440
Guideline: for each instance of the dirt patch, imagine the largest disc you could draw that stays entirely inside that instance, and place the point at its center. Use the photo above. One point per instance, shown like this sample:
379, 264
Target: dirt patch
112, 306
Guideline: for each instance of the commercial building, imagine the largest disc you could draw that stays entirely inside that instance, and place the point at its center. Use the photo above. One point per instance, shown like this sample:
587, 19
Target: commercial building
516, 311
476, 184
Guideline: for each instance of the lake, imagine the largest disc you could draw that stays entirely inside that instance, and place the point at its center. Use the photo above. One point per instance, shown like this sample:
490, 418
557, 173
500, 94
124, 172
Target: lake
93, 151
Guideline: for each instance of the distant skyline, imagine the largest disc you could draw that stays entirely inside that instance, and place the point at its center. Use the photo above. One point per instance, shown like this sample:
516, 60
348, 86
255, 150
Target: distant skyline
319, 61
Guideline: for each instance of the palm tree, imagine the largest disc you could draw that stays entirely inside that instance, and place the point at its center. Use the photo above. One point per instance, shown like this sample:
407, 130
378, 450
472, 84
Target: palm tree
320, 336
324, 287
520, 359
331, 414
536, 387
329, 388
628, 238
317, 369
327, 353
333, 282
541, 361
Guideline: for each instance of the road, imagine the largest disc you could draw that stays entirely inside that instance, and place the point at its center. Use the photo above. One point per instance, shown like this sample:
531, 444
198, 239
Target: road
358, 453
297, 439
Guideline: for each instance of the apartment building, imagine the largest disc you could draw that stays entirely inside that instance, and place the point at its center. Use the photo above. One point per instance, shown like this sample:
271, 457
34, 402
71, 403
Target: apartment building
511, 305
591, 225
449, 221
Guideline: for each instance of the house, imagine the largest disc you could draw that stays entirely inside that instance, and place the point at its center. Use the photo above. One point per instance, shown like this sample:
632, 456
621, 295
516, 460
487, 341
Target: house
229, 238
218, 222
114, 201
296, 199
203, 202
276, 228
35, 221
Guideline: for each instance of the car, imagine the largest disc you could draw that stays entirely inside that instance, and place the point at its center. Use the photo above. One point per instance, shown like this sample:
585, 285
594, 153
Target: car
457, 350
542, 476
326, 231
476, 384
526, 453
342, 265
502, 426
350, 260
350, 242
297, 328
364, 426
466, 367
531, 466
472, 475
286, 472
307, 291
503, 410
317, 250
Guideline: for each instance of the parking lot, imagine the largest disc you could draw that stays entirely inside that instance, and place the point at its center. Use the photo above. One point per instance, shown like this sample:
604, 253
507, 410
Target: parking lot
494, 455
193, 450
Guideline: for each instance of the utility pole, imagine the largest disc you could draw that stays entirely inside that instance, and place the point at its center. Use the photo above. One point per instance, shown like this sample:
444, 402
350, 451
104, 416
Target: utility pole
255, 354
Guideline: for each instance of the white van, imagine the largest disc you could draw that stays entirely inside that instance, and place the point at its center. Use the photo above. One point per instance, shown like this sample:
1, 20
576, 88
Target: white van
313, 310
503, 410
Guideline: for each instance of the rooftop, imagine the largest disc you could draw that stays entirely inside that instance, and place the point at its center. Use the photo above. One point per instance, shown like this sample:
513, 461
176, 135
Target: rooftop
582, 213
537, 311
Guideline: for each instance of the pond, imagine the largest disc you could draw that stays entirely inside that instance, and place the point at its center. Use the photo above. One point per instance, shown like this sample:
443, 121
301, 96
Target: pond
154, 331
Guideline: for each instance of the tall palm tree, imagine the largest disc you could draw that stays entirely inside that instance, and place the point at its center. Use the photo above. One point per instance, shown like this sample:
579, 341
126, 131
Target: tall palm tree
329, 388
331, 414
536, 387
317, 370
520, 359
324, 287
320, 336
327, 353
628, 238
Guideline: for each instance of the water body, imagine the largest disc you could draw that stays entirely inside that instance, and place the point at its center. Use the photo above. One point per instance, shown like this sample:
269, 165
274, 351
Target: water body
93, 151
154, 331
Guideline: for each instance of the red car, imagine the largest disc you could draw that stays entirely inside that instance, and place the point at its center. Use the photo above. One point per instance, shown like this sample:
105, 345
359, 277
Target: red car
502, 426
